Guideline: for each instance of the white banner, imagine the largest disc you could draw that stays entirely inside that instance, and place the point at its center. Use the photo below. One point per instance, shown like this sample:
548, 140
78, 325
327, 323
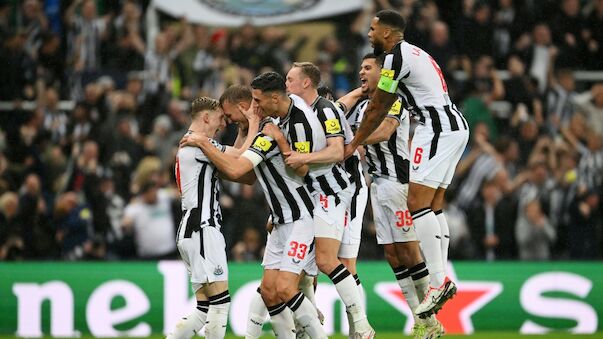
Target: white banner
234, 13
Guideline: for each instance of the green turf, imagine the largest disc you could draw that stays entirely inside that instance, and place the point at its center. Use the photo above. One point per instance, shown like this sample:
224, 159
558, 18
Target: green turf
481, 335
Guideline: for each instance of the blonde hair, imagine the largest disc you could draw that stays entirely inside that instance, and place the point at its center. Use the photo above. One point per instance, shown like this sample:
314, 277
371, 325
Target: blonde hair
310, 70
203, 104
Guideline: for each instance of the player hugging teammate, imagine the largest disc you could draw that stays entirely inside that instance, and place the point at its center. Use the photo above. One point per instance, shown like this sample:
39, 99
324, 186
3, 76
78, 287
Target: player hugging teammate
302, 149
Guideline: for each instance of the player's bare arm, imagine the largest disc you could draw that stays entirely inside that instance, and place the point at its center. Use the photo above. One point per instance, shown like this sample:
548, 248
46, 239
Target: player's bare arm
232, 167
349, 100
373, 116
383, 132
331, 154
275, 133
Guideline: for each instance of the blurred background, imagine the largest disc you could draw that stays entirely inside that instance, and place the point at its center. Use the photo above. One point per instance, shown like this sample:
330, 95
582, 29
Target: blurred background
94, 98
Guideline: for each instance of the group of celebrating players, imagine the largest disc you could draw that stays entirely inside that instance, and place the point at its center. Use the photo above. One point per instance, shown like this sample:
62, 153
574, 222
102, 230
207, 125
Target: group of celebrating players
304, 149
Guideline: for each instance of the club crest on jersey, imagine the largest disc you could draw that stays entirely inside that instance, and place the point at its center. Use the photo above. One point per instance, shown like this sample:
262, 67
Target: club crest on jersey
395, 109
262, 144
302, 146
218, 270
333, 126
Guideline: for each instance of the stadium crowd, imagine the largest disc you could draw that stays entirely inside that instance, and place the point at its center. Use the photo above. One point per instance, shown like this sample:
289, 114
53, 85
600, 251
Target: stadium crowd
94, 180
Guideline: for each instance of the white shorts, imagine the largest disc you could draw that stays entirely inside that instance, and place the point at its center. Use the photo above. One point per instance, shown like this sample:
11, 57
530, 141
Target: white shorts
290, 248
433, 160
329, 213
350, 243
204, 255
393, 222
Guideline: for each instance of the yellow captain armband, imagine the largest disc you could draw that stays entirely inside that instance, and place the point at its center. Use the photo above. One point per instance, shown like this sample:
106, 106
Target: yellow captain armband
396, 108
387, 82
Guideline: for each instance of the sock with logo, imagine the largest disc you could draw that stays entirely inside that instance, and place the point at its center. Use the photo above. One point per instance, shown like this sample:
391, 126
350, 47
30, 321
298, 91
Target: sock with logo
188, 326
217, 317
420, 278
445, 236
428, 232
282, 321
256, 317
348, 291
305, 314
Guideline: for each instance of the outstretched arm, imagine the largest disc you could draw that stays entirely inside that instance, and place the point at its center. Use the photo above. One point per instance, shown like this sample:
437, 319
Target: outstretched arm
373, 116
383, 132
232, 167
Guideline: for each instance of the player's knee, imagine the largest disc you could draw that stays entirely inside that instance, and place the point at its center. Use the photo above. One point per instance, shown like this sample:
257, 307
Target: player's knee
326, 263
270, 296
391, 257
286, 290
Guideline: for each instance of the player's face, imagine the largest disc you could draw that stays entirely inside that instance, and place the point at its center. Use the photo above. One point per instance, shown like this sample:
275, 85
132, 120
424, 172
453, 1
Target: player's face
375, 36
215, 121
369, 75
295, 81
232, 112
265, 102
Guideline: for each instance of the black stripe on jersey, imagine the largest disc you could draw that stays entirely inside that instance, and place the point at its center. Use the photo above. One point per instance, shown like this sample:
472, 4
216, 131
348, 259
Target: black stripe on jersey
434, 145
454, 126
397, 59
324, 185
408, 95
306, 199
276, 206
280, 183
212, 212
351, 166
194, 218
353, 206
461, 116
436, 124
202, 244
402, 165
370, 161
342, 183
381, 157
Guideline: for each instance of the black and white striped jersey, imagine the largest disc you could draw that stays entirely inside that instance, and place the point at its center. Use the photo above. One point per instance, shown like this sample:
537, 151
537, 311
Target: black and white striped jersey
422, 88
285, 192
199, 187
389, 158
326, 110
305, 133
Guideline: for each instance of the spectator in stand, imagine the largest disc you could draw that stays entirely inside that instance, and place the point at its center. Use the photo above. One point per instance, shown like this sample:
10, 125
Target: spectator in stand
74, 232
593, 34
18, 69
36, 231
12, 246
476, 35
149, 218
491, 230
86, 31
560, 100
249, 248
568, 26
585, 227
441, 48
520, 90
127, 37
591, 104
535, 235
